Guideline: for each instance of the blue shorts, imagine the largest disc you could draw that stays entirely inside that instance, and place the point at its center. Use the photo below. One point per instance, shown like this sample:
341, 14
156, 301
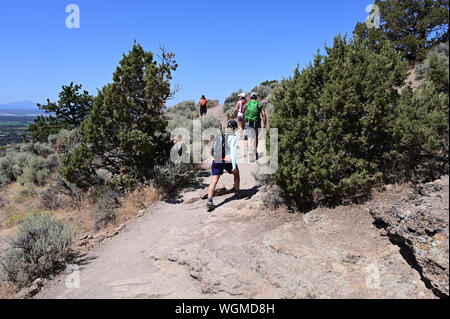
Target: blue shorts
218, 168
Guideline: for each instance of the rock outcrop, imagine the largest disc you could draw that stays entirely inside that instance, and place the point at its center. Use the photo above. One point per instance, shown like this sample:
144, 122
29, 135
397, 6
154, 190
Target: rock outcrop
418, 223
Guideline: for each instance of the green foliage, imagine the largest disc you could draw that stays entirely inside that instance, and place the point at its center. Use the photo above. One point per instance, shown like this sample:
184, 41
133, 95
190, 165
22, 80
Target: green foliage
268, 83
71, 109
185, 110
28, 166
414, 26
335, 121
421, 125
43, 126
40, 149
8, 169
33, 171
77, 167
441, 53
52, 162
125, 131
23, 193
42, 246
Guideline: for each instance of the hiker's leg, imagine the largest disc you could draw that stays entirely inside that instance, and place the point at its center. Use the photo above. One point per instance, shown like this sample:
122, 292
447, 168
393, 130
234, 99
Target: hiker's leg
251, 133
212, 187
237, 180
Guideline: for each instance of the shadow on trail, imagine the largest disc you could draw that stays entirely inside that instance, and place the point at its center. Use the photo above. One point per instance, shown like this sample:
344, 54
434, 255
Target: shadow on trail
174, 200
81, 259
246, 194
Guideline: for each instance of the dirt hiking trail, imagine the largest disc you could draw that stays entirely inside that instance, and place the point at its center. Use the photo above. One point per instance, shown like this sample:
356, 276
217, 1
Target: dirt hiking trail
241, 250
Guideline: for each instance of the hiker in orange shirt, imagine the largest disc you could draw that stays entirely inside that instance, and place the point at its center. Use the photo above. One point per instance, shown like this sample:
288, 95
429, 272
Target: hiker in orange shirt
202, 110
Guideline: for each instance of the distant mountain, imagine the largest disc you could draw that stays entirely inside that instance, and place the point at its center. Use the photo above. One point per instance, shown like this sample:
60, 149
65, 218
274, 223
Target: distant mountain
20, 108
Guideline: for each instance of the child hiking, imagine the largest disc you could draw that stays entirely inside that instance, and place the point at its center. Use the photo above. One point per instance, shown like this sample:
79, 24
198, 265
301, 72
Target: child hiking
224, 159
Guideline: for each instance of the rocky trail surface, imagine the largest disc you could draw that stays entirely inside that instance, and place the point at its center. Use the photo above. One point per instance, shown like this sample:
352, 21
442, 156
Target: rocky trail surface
244, 250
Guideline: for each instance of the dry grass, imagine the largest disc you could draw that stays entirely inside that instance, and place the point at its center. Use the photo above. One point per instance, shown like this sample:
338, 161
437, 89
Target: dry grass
79, 215
7, 290
141, 198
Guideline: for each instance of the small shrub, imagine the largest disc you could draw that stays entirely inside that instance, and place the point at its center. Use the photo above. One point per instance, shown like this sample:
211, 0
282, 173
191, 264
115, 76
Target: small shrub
273, 197
50, 196
105, 209
210, 121
33, 173
41, 247
23, 193
4, 180
40, 149
61, 135
8, 170
52, 162
335, 120
65, 141
441, 51
26, 148
77, 167
172, 177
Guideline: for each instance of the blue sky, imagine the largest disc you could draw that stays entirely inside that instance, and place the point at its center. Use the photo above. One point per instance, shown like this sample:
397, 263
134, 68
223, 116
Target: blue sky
221, 46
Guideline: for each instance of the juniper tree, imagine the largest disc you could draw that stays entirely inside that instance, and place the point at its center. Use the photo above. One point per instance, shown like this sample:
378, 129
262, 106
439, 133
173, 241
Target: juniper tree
72, 108
414, 26
334, 119
125, 131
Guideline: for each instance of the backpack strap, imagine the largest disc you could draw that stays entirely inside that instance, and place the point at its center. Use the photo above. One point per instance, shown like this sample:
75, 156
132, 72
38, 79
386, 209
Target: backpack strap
223, 145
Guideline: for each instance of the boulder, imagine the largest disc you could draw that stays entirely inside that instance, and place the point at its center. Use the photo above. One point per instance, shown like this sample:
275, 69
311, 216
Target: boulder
419, 225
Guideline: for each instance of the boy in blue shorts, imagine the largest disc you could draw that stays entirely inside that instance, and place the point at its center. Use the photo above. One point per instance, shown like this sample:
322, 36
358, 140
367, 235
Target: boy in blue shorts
224, 154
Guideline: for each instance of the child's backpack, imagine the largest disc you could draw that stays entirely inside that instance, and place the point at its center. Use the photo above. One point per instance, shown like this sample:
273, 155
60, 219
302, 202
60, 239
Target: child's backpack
203, 103
218, 148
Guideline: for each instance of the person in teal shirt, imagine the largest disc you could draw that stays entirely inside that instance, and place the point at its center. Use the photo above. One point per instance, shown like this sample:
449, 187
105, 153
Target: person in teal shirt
224, 159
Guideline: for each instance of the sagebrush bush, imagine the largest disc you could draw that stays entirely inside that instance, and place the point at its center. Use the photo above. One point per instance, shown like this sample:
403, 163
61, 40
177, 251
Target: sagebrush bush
40, 149
41, 247
52, 162
65, 141
172, 177
421, 127
264, 90
64, 134
8, 169
24, 192
33, 173
50, 196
